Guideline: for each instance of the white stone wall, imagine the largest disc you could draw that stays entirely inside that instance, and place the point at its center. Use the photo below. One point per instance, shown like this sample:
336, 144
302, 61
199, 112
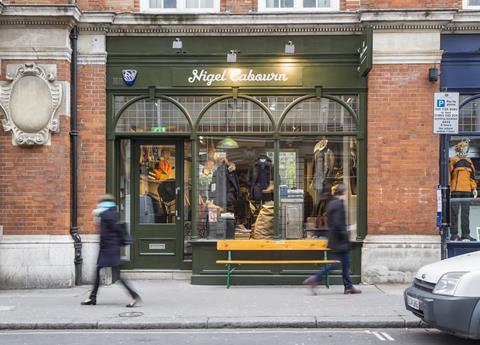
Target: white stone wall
36, 261
396, 258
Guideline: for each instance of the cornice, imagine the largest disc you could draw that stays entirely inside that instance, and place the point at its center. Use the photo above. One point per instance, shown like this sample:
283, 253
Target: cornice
348, 22
280, 23
66, 15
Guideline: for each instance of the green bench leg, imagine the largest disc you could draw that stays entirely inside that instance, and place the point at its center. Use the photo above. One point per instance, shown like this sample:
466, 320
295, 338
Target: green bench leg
327, 276
228, 269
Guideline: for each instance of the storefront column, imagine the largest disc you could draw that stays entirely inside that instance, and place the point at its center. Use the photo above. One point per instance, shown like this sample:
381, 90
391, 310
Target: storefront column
402, 157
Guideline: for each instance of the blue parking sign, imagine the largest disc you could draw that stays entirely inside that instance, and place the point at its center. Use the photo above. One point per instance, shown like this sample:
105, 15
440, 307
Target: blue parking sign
440, 103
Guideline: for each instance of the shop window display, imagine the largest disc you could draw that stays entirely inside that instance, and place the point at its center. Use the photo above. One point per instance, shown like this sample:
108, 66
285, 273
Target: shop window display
464, 165
235, 188
237, 191
319, 166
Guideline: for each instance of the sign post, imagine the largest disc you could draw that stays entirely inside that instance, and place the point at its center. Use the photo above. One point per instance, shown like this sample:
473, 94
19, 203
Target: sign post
445, 121
445, 114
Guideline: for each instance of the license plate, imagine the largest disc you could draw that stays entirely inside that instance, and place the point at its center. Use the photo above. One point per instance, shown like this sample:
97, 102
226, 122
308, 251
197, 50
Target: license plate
413, 302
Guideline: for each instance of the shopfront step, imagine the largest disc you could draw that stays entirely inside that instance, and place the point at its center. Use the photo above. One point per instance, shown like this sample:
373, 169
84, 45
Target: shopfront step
145, 274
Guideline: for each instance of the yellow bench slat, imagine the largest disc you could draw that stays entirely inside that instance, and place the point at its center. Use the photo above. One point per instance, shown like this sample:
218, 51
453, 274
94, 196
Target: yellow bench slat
255, 262
272, 245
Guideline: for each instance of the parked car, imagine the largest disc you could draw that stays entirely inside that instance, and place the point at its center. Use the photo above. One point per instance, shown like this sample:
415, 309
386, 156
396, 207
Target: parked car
446, 295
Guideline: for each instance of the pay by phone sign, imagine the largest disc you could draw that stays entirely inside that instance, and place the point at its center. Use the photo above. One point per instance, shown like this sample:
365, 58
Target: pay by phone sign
445, 113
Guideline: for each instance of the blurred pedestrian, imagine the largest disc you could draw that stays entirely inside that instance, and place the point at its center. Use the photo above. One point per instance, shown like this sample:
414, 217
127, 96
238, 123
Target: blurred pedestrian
338, 242
106, 217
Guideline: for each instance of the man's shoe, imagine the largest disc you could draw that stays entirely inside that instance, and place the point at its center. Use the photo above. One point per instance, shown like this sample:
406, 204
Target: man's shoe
89, 301
351, 291
468, 238
454, 238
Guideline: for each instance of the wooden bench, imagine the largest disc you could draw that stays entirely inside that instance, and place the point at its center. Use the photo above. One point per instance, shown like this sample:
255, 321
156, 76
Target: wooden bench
271, 245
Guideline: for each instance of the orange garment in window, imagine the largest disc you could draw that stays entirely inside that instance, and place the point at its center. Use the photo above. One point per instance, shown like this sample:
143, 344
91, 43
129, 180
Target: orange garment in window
462, 175
164, 170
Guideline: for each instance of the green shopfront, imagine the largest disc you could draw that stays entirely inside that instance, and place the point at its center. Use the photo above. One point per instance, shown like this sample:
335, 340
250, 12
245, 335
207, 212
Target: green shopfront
201, 149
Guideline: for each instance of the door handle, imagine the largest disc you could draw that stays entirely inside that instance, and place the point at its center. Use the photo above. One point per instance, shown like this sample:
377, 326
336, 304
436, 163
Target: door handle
177, 203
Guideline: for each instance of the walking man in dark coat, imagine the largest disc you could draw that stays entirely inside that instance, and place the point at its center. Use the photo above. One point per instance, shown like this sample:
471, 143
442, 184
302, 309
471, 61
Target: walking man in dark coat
338, 242
106, 216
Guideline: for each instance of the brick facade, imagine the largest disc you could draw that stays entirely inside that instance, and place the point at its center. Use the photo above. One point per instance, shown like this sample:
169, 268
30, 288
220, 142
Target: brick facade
245, 6
35, 181
91, 141
402, 151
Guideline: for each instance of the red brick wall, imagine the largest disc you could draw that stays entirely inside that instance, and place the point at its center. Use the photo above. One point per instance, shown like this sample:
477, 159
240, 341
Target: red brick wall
386, 4
91, 141
238, 6
37, 2
35, 181
244, 6
402, 151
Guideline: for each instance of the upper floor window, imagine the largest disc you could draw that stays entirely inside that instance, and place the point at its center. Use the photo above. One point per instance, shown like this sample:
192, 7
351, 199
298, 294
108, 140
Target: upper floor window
473, 4
196, 6
298, 5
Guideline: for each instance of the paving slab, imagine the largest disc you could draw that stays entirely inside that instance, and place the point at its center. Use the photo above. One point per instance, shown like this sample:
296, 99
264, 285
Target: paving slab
171, 304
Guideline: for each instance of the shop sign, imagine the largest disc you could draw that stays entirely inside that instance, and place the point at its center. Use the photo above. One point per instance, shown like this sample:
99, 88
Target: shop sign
129, 76
365, 53
238, 76
446, 113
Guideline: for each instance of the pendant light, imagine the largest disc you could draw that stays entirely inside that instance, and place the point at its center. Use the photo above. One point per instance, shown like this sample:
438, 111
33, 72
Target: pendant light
227, 143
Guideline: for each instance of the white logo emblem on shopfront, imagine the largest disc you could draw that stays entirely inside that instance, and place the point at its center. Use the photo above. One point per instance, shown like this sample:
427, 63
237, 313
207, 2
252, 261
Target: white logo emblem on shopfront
129, 76
235, 75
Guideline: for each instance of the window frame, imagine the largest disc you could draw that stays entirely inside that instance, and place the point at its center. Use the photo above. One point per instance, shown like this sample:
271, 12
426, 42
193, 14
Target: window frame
298, 7
181, 8
467, 6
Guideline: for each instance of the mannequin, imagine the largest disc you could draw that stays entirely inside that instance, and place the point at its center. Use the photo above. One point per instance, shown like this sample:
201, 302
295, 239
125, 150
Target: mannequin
463, 185
318, 166
352, 167
261, 182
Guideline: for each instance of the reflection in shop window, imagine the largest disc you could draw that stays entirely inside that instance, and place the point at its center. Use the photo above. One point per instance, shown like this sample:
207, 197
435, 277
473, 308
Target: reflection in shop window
321, 164
236, 186
469, 119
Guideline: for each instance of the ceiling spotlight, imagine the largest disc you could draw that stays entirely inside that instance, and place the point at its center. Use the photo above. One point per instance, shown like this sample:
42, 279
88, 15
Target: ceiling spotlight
232, 56
177, 43
289, 48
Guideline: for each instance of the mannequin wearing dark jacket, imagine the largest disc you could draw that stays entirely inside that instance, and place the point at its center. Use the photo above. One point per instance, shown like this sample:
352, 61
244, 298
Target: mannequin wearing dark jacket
260, 179
233, 185
338, 242
109, 251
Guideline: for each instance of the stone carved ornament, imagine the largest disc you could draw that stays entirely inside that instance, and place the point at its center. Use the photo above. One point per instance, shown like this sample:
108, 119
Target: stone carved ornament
30, 100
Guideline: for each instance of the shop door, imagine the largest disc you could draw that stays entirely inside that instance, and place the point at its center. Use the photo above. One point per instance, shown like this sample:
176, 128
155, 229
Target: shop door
157, 205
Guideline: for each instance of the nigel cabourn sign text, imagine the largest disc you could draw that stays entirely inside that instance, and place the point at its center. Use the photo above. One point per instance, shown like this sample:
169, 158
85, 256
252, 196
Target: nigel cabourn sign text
278, 76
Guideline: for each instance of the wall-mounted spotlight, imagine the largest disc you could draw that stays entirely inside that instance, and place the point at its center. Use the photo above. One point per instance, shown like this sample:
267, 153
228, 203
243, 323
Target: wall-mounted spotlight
433, 74
177, 43
232, 56
289, 48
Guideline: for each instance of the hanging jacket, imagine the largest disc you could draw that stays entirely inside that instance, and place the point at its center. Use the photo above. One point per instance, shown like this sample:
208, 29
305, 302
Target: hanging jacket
462, 175
233, 187
261, 177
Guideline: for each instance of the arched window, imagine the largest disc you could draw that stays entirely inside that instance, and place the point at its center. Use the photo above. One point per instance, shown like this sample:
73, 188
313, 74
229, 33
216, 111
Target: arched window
158, 115
315, 115
238, 115
469, 120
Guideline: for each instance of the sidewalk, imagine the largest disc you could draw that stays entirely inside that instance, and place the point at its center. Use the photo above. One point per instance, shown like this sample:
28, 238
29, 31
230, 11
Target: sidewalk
177, 304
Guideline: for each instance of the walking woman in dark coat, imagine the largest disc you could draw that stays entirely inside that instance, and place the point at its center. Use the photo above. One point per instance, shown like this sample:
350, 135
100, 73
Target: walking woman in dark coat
106, 216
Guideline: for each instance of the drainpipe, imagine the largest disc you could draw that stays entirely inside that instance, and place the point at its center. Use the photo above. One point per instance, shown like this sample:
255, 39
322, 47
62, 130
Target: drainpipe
77, 241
